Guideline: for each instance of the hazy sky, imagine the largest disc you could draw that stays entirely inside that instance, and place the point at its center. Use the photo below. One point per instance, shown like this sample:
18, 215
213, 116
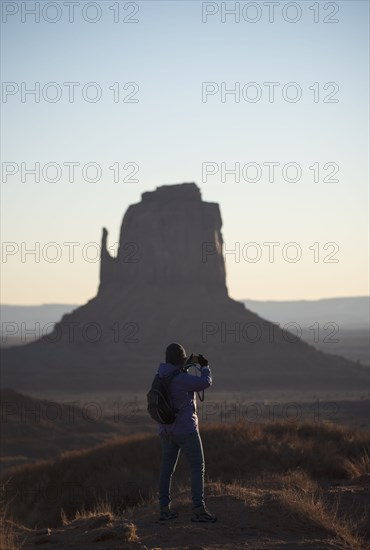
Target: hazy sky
172, 130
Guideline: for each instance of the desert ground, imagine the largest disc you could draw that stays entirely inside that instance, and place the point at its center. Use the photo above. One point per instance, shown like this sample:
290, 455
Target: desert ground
281, 472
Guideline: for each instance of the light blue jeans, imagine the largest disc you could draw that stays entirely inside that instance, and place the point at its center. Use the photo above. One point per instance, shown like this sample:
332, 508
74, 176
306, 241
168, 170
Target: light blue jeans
191, 445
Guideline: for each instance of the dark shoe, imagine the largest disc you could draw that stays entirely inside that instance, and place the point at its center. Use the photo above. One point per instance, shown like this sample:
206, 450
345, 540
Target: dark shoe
167, 513
202, 515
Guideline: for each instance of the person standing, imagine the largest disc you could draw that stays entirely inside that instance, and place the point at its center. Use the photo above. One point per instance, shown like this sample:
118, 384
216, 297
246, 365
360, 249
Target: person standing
183, 435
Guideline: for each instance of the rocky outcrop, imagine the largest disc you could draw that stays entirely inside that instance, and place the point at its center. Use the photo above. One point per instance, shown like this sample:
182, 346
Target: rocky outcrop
107, 264
169, 239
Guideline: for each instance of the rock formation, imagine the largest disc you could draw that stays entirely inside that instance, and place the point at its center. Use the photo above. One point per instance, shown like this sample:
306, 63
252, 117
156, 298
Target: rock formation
170, 239
166, 284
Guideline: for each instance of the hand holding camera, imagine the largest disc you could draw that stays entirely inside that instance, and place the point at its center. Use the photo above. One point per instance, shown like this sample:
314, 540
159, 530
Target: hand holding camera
200, 359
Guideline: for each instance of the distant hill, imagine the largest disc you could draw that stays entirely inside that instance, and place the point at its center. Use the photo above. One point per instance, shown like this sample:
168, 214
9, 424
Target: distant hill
348, 313
351, 315
35, 317
333, 325
33, 429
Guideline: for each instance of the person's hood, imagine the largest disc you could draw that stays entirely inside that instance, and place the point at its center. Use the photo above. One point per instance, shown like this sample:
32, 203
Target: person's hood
166, 368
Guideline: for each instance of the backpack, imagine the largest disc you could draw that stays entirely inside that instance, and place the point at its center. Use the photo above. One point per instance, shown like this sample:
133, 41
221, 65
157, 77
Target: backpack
158, 397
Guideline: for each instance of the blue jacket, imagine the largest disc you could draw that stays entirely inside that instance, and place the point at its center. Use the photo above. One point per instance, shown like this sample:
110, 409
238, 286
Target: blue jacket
182, 394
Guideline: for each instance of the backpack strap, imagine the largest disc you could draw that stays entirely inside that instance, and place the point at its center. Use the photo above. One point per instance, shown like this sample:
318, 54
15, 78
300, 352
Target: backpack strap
169, 379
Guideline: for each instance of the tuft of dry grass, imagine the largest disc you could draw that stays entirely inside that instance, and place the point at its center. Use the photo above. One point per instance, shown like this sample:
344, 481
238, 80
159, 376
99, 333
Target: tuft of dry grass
101, 507
311, 506
358, 466
103, 519
7, 535
7, 539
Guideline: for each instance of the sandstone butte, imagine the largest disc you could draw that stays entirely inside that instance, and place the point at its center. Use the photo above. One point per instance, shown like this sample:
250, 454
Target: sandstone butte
168, 283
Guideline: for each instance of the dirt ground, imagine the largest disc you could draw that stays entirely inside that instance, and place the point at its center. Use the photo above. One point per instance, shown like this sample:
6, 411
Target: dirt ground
254, 517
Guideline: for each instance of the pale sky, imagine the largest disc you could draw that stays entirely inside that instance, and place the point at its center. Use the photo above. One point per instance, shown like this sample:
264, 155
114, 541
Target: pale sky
170, 132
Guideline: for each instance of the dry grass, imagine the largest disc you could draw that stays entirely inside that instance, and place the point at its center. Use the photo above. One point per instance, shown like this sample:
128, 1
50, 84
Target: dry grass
101, 507
359, 466
311, 506
302, 502
101, 514
123, 472
321, 450
7, 534
7, 539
